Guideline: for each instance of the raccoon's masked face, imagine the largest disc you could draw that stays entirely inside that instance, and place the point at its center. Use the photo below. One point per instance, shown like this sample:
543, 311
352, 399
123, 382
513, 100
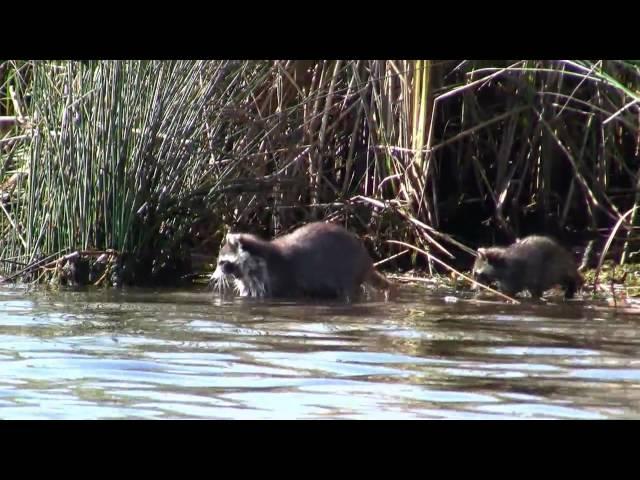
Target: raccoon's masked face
231, 258
489, 265
242, 264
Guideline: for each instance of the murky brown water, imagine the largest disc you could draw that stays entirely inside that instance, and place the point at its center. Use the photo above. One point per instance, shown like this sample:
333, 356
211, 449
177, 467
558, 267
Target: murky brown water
187, 354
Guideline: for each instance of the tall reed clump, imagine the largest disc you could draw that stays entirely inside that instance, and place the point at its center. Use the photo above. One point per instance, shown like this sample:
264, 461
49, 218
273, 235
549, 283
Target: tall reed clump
118, 166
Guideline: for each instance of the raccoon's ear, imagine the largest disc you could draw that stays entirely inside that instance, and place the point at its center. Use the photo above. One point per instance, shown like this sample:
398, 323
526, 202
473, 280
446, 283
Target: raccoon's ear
251, 244
495, 257
233, 239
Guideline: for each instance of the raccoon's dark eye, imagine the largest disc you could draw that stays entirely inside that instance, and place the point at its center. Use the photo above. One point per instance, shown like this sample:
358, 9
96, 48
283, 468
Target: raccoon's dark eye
496, 261
482, 277
227, 267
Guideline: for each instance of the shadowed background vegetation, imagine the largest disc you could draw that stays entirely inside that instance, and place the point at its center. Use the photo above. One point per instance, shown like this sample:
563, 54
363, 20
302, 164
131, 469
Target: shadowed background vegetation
132, 171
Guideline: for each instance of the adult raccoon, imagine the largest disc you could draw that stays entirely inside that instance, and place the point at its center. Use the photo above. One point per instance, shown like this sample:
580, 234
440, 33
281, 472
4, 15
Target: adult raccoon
321, 260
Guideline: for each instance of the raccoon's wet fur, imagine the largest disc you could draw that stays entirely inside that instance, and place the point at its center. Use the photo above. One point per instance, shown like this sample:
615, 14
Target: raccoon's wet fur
316, 260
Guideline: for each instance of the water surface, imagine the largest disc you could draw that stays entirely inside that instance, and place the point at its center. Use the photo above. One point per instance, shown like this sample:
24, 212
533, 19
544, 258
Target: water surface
169, 354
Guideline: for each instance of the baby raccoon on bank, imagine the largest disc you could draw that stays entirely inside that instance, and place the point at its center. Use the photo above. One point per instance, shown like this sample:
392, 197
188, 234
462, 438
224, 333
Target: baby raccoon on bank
534, 263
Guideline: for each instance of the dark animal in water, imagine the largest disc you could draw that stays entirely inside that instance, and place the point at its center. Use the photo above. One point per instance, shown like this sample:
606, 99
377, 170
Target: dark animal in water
534, 263
321, 260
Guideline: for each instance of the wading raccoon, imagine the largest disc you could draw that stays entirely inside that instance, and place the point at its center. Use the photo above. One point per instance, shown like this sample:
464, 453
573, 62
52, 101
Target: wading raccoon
533, 263
320, 260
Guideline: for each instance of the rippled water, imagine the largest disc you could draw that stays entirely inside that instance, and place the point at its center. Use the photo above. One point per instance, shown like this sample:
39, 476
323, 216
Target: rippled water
187, 354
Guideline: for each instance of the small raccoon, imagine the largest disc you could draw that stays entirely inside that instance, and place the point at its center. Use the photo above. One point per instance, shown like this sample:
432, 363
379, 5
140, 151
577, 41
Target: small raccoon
534, 263
320, 260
